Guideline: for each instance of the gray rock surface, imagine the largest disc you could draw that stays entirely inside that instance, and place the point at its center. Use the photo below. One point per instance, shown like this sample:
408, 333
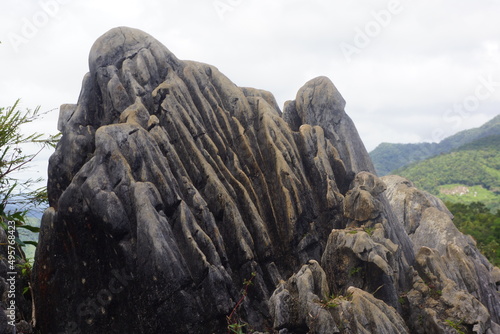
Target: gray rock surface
459, 284
361, 312
319, 102
299, 304
181, 202
364, 260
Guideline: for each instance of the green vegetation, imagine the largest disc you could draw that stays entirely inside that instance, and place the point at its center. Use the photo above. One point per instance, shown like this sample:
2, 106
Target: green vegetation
234, 324
355, 271
17, 197
469, 174
475, 164
369, 230
457, 326
459, 193
389, 157
477, 220
334, 301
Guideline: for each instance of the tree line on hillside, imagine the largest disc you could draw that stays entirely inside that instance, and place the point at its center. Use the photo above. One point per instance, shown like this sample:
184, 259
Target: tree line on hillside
476, 220
478, 166
388, 157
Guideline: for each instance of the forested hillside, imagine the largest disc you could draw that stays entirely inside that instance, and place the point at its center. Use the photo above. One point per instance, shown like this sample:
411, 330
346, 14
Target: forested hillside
388, 157
468, 174
476, 220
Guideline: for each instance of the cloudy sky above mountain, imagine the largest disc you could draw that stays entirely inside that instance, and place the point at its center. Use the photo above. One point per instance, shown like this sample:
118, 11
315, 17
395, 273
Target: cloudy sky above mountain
410, 71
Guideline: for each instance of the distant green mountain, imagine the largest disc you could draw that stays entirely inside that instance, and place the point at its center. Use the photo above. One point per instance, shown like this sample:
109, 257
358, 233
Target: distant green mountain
388, 157
470, 173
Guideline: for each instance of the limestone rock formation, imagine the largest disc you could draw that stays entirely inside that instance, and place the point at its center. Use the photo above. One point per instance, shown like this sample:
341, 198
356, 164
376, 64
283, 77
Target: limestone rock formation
182, 203
456, 281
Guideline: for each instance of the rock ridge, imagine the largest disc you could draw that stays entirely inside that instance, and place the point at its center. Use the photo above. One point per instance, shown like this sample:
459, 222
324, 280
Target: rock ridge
172, 187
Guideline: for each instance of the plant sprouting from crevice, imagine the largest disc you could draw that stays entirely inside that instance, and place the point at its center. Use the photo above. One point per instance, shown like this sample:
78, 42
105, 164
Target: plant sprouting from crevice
234, 324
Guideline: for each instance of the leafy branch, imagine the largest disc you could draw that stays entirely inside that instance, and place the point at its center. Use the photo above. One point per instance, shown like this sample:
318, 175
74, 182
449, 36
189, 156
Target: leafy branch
13, 160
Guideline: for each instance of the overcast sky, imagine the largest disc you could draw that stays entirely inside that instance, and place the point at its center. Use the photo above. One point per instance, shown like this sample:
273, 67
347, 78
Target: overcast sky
410, 71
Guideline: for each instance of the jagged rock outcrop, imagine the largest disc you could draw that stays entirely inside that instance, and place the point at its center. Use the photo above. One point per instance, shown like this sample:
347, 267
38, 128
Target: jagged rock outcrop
298, 304
181, 202
455, 281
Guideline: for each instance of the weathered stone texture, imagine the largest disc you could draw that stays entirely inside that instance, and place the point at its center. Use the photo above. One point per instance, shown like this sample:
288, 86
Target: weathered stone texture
171, 186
